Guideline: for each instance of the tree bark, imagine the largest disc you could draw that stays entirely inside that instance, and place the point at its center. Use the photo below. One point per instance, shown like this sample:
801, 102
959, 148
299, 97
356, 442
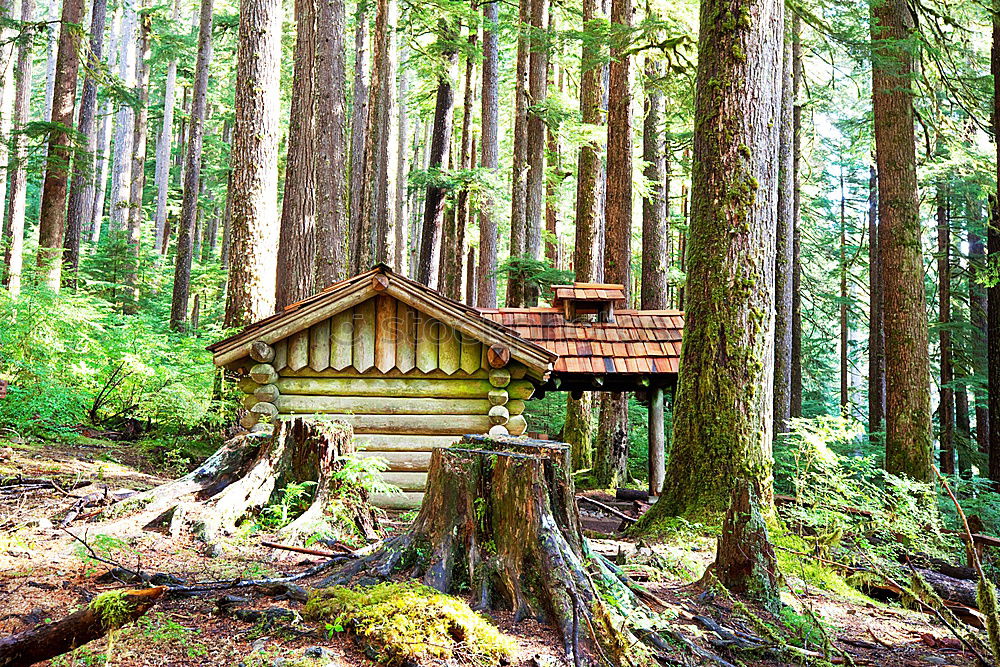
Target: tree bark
795, 389
845, 332
745, 562
993, 247
19, 174
876, 327
53, 34
784, 247
121, 166
519, 168
359, 126
79, 216
331, 135
52, 218
728, 354
104, 136
489, 233
611, 455
137, 172
977, 317
908, 418
434, 203
296, 267
654, 208
254, 164
589, 163
402, 136
946, 410
535, 136
192, 174
11, 11
163, 145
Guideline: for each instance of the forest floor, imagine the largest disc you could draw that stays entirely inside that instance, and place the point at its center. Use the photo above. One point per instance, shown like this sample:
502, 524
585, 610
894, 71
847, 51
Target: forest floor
46, 574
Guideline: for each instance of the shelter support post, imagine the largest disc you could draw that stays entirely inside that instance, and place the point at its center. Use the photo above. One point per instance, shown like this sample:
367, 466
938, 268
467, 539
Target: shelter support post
657, 449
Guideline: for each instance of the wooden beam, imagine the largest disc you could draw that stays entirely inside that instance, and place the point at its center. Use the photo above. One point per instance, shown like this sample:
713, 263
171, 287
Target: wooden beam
298, 350
375, 373
406, 337
428, 331
517, 425
498, 355
263, 374
403, 442
261, 352
342, 339
406, 481
400, 461
412, 424
499, 377
449, 350
398, 501
657, 449
319, 346
382, 405
363, 357
385, 332
414, 387
280, 355
472, 355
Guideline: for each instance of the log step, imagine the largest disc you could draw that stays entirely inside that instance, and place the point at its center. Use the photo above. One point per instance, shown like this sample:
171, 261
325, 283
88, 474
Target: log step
401, 461
406, 481
398, 501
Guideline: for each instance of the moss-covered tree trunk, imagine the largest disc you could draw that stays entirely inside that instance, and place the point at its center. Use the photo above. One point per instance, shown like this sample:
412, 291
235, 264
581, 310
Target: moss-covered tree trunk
723, 414
907, 361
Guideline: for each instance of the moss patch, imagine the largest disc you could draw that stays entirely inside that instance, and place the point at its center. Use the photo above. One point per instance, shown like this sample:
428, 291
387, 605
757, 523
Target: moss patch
112, 608
409, 622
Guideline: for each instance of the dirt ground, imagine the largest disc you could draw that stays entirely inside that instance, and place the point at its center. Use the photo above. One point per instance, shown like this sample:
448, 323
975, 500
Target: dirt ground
46, 574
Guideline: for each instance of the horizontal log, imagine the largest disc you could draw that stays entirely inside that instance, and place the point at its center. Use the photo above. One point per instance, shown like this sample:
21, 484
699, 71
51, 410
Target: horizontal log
247, 385
377, 405
499, 377
412, 424
416, 387
398, 501
522, 389
400, 461
267, 392
350, 372
402, 442
498, 396
249, 420
515, 407
268, 410
517, 425
261, 352
499, 414
406, 481
249, 400
498, 430
263, 374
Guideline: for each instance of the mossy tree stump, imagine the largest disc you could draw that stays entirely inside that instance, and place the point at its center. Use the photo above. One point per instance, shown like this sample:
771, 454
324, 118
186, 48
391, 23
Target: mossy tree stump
499, 518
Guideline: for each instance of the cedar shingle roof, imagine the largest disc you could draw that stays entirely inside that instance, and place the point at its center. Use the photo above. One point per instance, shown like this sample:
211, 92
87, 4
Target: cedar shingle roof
637, 342
587, 292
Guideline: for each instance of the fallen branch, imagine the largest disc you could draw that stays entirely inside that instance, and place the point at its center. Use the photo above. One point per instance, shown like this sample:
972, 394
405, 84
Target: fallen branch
607, 508
51, 639
307, 550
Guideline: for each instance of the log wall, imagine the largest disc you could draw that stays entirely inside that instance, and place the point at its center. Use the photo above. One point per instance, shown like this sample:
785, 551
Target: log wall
406, 383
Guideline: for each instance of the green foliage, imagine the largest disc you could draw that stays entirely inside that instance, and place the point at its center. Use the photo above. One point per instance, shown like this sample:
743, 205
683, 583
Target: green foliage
538, 274
364, 473
293, 500
159, 627
407, 623
113, 609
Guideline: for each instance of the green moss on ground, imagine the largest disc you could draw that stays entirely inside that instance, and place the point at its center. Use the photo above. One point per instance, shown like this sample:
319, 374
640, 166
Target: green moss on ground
113, 609
408, 622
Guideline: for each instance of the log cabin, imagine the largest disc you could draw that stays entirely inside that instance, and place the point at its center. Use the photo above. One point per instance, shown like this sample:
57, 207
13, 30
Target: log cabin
411, 370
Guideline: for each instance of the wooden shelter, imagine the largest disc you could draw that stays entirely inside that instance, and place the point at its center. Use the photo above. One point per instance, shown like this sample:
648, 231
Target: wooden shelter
411, 370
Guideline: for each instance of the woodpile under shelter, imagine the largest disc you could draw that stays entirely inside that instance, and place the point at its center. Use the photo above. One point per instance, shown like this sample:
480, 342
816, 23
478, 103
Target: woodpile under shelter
411, 370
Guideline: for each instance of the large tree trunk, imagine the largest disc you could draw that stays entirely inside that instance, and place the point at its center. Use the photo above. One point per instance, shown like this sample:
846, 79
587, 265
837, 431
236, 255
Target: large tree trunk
369, 242
993, 247
163, 143
977, 317
434, 203
907, 367
489, 233
192, 175
53, 34
784, 251
121, 167
535, 136
519, 167
296, 267
79, 216
795, 388
745, 562
876, 330
654, 206
137, 172
19, 172
611, 455
331, 133
254, 164
842, 309
10, 11
946, 410
499, 519
52, 218
359, 127
723, 411
399, 216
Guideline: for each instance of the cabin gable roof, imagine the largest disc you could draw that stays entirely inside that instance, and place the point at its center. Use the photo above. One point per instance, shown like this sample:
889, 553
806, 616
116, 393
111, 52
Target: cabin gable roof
381, 280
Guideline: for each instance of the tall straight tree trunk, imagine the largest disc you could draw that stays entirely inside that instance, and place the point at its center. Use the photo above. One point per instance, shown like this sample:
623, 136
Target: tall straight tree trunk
369, 237
10, 10
795, 388
137, 173
54, 32
611, 455
489, 233
331, 135
19, 172
104, 135
588, 193
163, 143
946, 411
81, 205
977, 317
993, 247
192, 172
400, 254
907, 369
182, 138
434, 203
296, 267
121, 168
359, 123
535, 135
845, 332
876, 325
254, 163
784, 258
454, 250
519, 169
723, 410
52, 219
654, 206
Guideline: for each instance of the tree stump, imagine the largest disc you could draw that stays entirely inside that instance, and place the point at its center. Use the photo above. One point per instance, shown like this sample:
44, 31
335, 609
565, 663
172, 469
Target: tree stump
247, 474
499, 518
